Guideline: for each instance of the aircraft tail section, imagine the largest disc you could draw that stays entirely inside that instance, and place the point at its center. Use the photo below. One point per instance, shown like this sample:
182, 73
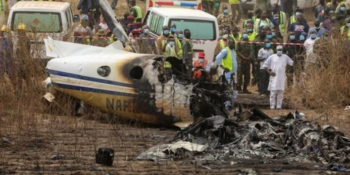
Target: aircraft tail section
59, 49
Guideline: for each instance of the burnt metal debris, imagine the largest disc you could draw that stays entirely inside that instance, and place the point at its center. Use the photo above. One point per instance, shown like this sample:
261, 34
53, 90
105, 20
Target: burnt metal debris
254, 134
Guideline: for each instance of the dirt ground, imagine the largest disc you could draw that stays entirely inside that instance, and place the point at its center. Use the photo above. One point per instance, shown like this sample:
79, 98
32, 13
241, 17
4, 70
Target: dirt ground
41, 143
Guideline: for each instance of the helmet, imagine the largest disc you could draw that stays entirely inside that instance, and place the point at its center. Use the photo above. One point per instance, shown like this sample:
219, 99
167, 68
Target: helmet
21, 27
201, 55
4, 28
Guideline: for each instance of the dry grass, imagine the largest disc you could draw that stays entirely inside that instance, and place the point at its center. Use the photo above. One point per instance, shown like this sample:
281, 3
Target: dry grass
31, 131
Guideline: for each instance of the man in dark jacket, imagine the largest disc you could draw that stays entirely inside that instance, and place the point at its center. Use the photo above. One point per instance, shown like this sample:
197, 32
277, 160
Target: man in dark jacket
188, 52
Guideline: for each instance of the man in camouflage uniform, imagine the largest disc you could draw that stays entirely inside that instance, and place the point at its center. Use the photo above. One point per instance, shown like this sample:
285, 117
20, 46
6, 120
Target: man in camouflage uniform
225, 19
254, 54
243, 53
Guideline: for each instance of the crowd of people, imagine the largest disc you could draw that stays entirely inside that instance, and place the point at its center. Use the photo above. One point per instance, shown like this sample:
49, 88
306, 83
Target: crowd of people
251, 49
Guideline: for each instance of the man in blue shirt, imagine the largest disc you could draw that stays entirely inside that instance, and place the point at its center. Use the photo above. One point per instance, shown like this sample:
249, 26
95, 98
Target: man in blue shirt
227, 60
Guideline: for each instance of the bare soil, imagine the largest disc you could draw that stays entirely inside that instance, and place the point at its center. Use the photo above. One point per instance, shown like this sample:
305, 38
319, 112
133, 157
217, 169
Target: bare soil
40, 143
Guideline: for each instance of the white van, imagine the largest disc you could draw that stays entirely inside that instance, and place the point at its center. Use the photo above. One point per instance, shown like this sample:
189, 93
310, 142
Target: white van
42, 19
203, 26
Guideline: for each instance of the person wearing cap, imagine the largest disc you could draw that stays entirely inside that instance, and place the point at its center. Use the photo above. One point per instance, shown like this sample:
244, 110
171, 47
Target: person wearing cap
243, 54
23, 41
254, 54
187, 48
227, 62
162, 40
100, 39
5, 50
135, 11
275, 66
200, 67
262, 21
84, 30
131, 24
321, 11
311, 57
345, 30
147, 42
263, 54
320, 30
236, 8
225, 19
299, 27
173, 30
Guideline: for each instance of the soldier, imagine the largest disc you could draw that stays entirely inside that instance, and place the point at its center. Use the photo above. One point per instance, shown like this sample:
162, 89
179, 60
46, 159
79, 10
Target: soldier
188, 52
243, 53
100, 39
254, 54
225, 19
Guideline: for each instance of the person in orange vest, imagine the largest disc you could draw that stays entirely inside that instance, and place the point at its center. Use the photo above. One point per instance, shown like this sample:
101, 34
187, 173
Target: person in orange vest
201, 67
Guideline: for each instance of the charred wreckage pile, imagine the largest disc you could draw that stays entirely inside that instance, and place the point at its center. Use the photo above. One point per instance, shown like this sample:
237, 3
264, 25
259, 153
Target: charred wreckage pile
254, 134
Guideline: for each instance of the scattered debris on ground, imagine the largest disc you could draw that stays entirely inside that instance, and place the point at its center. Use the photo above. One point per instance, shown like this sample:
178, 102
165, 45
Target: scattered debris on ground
257, 135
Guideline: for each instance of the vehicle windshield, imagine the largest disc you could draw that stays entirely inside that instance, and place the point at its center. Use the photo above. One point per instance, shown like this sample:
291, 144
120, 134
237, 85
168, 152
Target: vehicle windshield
42, 22
200, 29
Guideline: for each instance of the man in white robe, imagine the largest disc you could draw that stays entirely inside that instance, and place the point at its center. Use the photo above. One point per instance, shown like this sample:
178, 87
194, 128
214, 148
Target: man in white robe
276, 67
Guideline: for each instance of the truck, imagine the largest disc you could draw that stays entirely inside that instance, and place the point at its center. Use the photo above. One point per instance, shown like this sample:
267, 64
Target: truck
203, 26
42, 19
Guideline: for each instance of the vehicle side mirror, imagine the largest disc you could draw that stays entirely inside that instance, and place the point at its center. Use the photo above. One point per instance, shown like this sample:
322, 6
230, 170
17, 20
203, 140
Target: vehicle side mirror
76, 18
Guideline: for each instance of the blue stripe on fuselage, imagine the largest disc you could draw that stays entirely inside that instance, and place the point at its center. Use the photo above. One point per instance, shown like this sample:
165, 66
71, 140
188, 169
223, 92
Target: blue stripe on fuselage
88, 89
81, 77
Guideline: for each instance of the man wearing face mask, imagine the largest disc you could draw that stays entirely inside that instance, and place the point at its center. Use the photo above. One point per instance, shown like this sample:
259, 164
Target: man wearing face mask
146, 42
341, 3
225, 19
341, 13
227, 62
249, 19
311, 57
320, 30
263, 54
187, 52
178, 43
169, 49
254, 54
321, 11
173, 30
299, 27
344, 30
162, 40
275, 66
251, 33
279, 18
243, 54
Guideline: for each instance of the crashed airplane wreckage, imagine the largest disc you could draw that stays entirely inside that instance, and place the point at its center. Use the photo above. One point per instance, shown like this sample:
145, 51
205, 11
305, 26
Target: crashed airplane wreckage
148, 88
255, 135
